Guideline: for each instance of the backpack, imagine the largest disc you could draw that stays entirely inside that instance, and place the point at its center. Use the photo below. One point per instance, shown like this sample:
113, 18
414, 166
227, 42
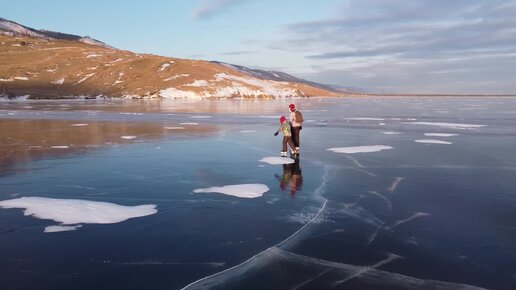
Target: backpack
299, 117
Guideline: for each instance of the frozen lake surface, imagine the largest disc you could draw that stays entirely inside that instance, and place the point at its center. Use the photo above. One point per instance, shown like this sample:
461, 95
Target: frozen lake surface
388, 193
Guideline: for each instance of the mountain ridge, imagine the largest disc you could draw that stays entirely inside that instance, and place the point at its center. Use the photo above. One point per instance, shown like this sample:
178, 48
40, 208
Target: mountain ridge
47, 64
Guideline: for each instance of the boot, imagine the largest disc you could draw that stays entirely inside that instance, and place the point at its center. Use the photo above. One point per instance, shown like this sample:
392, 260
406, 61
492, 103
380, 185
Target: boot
283, 153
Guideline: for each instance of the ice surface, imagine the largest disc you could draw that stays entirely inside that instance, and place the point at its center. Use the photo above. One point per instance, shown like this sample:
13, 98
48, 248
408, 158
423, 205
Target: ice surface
55, 229
76, 211
433, 141
440, 134
247, 131
365, 119
360, 149
60, 146
277, 160
447, 125
391, 133
189, 123
238, 190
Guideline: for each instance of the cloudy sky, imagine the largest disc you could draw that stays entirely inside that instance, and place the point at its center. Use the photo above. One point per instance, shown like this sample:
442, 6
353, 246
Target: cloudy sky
427, 46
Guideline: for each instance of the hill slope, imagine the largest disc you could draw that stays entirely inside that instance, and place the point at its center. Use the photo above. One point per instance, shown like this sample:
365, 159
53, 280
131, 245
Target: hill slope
45, 64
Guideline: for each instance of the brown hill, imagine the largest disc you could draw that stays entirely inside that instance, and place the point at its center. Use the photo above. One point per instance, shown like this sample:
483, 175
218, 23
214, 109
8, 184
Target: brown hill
51, 68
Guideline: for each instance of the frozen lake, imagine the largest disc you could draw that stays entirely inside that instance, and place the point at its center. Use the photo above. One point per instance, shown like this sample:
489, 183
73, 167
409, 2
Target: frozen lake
388, 193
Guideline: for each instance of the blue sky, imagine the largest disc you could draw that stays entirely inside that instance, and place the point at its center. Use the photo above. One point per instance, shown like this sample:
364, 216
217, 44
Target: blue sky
430, 46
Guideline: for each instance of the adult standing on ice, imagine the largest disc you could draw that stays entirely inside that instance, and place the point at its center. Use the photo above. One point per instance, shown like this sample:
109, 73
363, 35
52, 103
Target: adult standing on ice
296, 119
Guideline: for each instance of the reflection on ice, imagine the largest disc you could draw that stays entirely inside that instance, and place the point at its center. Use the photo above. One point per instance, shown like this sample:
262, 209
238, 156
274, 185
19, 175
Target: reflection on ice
239, 190
75, 211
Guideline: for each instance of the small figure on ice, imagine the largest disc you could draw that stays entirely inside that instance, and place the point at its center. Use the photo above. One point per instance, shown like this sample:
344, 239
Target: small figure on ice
287, 136
296, 121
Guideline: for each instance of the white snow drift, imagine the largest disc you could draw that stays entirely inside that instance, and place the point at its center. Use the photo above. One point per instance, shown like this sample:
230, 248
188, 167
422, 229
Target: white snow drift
239, 190
277, 160
360, 149
75, 211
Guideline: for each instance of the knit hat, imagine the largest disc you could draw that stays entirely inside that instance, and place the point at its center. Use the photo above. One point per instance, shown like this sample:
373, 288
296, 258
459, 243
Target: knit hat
282, 119
291, 107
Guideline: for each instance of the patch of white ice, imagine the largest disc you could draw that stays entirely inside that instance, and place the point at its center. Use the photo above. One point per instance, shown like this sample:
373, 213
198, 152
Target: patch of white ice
79, 125
60, 147
440, 134
21, 78
76, 211
238, 190
128, 137
391, 133
55, 229
365, 119
447, 125
433, 141
247, 131
277, 160
360, 149
174, 128
189, 123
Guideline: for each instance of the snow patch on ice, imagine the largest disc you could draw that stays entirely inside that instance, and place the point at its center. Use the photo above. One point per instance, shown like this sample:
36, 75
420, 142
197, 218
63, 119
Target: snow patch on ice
247, 131
77, 211
365, 119
360, 149
391, 133
60, 147
174, 128
447, 125
277, 160
433, 141
21, 78
79, 125
189, 123
239, 190
55, 229
128, 137
440, 134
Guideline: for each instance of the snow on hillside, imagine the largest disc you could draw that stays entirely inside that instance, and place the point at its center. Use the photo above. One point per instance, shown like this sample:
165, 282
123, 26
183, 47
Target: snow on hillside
11, 28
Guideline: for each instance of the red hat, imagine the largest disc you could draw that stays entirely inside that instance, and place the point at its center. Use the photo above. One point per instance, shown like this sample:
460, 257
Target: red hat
282, 119
291, 106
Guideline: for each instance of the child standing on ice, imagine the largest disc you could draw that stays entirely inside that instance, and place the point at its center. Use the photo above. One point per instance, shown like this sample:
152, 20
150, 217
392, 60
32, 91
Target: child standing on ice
287, 136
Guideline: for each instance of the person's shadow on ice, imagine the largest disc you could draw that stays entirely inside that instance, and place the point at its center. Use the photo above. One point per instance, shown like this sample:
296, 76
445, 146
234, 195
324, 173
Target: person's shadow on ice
292, 178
